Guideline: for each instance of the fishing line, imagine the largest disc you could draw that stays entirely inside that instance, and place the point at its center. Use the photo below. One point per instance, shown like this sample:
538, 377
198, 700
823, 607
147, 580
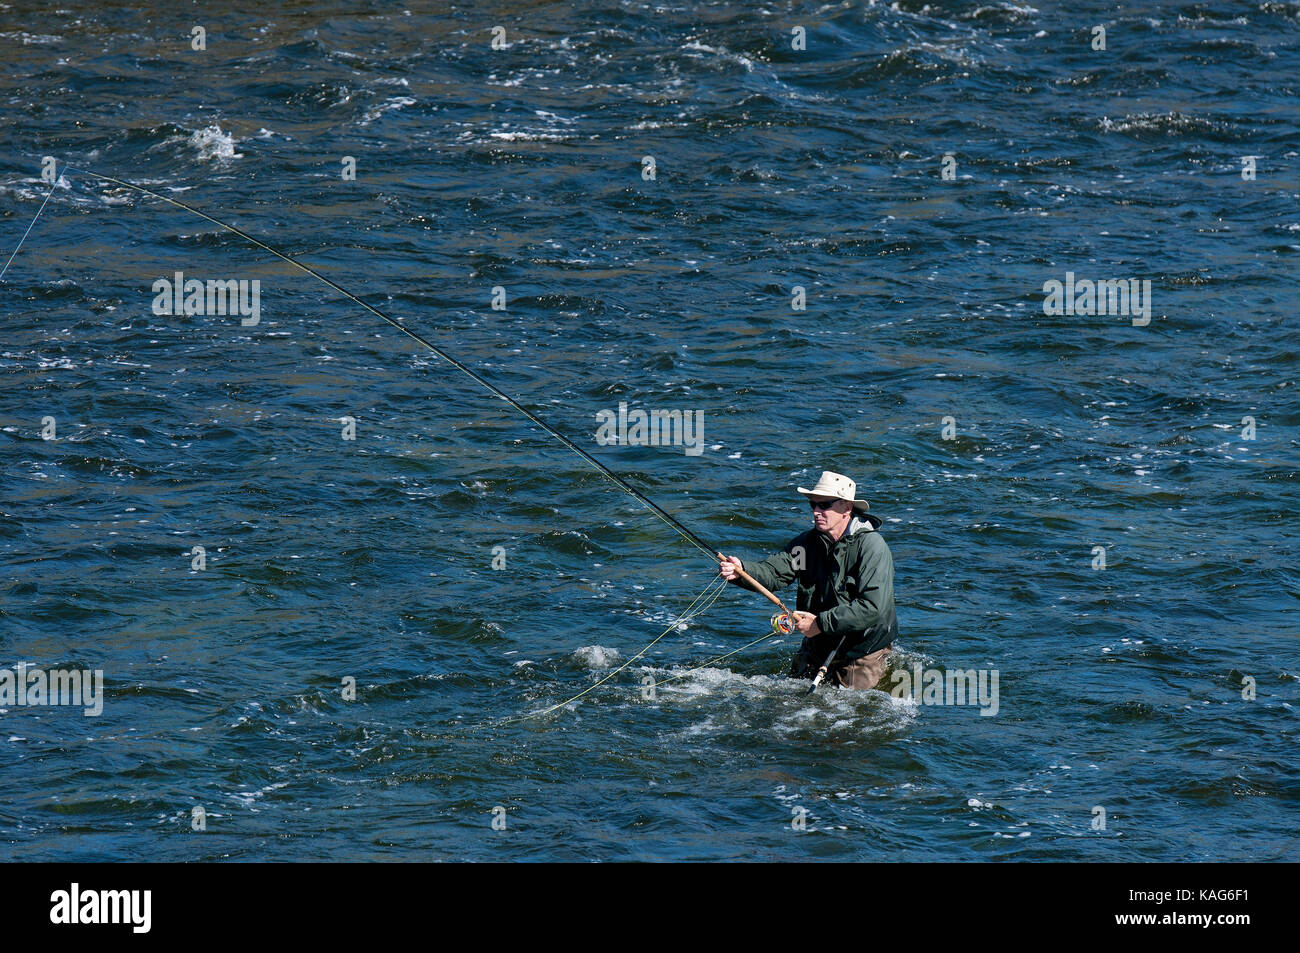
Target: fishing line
714, 661
613, 477
33, 224
703, 601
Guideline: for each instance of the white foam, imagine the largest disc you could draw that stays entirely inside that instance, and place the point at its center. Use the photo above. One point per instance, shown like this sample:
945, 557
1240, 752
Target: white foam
212, 143
596, 657
392, 104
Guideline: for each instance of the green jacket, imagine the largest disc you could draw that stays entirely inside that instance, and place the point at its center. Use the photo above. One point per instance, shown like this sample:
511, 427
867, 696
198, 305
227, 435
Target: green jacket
848, 584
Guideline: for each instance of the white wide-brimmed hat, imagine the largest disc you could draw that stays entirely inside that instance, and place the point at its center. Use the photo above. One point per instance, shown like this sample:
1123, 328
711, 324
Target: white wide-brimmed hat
840, 487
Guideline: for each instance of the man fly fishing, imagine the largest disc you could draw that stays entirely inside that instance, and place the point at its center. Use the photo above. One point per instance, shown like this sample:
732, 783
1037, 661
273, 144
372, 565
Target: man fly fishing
845, 604
845, 571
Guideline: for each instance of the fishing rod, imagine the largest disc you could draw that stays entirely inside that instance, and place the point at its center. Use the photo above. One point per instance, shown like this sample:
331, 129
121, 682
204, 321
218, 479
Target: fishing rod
782, 622
618, 481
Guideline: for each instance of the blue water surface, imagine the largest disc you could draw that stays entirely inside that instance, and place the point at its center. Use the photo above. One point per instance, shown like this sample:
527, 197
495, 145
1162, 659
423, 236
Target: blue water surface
1007, 449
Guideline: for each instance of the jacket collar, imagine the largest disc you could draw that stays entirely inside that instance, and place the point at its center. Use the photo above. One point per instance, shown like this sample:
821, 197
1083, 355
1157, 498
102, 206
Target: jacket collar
863, 524
866, 523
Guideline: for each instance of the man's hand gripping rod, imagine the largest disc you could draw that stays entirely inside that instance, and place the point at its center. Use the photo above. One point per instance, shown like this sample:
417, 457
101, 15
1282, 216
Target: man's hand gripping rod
783, 621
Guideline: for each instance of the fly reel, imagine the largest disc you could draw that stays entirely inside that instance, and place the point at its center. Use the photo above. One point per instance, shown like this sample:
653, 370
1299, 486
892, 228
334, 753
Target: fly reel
782, 623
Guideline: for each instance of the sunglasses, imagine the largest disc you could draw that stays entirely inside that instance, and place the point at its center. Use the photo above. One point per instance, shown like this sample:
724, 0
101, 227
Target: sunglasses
822, 504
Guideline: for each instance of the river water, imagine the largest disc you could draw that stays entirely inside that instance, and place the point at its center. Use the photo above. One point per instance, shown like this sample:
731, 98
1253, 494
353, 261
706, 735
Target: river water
463, 568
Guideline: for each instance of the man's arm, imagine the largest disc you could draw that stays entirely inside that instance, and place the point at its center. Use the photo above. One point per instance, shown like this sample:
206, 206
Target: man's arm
875, 572
775, 572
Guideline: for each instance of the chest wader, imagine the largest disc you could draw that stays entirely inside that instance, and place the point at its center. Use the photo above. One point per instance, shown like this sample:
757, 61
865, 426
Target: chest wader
803, 665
